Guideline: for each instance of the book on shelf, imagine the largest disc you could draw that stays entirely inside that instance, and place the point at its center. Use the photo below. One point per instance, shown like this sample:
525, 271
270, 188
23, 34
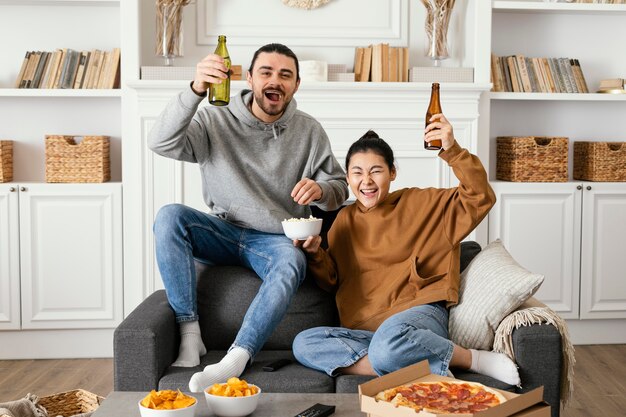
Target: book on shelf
393, 65
366, 68
80, 73
358, 62
70, 69
377, 63
20, 75
523, 73
381, 63
518, 73
611, 83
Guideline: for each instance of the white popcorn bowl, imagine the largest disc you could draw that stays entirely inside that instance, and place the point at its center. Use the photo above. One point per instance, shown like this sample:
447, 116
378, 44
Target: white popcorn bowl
232, 406
301, 230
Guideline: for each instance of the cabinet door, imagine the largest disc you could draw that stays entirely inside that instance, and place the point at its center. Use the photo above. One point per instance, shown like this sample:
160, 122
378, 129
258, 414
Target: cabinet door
9, 258
539, 224
603, 260
71, 255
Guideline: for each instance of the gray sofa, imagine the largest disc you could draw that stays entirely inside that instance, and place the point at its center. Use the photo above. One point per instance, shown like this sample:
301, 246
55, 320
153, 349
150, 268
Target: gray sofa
146, 342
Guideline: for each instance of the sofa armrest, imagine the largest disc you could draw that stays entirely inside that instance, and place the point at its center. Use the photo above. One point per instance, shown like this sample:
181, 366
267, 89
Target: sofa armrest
539, 355
145, 344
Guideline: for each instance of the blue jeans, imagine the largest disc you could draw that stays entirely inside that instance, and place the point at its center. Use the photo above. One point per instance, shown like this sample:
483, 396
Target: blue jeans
403, 339
183, 235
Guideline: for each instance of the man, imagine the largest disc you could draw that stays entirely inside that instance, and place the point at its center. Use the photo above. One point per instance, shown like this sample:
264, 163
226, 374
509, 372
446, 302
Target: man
262, 161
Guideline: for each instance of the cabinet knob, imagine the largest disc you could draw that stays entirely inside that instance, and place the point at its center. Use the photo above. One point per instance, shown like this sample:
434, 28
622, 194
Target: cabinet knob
22, 188
12, 189
580, 187
589, 187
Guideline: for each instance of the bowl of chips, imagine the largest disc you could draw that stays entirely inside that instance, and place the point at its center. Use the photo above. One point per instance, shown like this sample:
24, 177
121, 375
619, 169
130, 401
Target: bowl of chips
235, 398
167, 403
302, 228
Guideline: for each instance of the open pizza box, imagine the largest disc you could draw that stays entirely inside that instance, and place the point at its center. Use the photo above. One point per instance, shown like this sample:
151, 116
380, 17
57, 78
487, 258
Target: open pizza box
530, 404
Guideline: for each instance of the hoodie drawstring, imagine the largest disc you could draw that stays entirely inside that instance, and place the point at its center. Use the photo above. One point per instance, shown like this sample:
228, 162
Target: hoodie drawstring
277, 128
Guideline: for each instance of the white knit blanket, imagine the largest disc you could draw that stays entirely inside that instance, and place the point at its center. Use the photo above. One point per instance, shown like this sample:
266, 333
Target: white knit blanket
534, 312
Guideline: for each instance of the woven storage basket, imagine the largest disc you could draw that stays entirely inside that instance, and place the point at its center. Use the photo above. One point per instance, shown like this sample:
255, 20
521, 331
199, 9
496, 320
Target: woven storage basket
600, 161
6, 160
531, 159
87, 161
70, 403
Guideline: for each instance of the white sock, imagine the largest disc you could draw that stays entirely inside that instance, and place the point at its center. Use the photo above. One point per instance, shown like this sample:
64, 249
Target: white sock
495, 365
191, 346
231, 365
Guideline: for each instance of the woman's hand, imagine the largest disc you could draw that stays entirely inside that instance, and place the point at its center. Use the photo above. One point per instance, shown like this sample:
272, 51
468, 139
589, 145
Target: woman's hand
440, 128
310, 246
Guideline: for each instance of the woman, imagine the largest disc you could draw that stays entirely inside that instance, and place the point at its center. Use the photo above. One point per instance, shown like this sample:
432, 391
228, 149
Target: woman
393, 261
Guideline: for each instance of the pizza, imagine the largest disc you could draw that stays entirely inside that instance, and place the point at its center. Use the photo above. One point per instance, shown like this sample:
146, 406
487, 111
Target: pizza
443, 397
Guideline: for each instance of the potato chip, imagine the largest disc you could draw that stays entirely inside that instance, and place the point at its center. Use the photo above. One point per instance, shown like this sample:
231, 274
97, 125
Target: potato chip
234, 387
167, 400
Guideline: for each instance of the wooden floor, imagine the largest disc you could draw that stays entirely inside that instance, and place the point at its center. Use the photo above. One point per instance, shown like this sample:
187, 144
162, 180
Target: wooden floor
599, 385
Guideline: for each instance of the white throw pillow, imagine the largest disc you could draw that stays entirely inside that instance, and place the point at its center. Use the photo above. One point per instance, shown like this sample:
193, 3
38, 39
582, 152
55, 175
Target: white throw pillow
492, 286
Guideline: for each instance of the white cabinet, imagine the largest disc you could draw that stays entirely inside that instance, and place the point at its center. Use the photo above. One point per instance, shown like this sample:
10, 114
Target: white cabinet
9, 258
603, 260
61, 262
573, 233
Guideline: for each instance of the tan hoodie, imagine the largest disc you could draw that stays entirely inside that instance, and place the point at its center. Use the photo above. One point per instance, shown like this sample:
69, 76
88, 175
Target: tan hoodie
405, 251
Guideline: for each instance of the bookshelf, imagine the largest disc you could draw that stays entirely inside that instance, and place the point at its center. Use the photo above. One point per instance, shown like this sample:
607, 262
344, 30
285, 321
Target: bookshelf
579, 222
61, 262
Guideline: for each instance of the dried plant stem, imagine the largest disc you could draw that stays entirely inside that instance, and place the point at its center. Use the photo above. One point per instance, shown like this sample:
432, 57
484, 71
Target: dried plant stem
437, 20
169, 31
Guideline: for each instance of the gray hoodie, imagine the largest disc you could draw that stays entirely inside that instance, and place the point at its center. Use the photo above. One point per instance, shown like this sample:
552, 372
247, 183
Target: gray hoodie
249, 167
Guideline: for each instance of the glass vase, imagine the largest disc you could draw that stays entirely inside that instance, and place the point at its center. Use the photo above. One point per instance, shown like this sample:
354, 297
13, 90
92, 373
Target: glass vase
169, 19
437, 20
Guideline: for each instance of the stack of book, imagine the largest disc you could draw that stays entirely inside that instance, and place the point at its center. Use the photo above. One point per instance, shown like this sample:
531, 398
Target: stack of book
520, 74
67, 68
612, 85
381, 63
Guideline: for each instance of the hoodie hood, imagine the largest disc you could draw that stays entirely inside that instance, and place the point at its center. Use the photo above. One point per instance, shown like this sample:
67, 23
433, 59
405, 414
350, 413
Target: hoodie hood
239, 108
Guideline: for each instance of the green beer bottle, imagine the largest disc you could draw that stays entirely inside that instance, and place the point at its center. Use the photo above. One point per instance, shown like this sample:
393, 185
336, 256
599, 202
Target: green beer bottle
219, 94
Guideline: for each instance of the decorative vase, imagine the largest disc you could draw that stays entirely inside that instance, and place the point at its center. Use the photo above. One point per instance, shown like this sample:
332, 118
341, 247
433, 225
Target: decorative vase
437, 20
169, 19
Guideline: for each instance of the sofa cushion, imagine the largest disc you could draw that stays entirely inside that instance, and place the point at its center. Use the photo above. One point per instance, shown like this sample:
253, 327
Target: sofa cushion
492, 286
225, 292
290, 378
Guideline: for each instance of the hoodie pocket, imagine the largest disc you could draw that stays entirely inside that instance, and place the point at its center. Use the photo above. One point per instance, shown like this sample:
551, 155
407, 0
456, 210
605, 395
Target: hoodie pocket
421, 281
254, 218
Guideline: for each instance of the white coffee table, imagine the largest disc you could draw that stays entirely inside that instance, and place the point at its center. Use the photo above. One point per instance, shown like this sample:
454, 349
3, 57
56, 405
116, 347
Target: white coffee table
124, 403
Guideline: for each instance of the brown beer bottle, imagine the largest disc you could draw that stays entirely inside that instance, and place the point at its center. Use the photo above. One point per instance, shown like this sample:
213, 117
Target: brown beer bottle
219, 94
433, 108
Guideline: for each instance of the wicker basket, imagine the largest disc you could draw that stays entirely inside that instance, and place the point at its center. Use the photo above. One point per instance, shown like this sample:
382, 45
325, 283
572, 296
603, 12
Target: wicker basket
531, 159
600, 161
71, 403
87, 161
6, 160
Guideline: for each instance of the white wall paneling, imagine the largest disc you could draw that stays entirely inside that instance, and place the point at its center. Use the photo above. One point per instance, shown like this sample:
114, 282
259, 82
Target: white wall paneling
380, 21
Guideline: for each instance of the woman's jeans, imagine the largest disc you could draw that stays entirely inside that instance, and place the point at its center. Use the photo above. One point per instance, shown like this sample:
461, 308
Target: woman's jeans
403, 339
183, 235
